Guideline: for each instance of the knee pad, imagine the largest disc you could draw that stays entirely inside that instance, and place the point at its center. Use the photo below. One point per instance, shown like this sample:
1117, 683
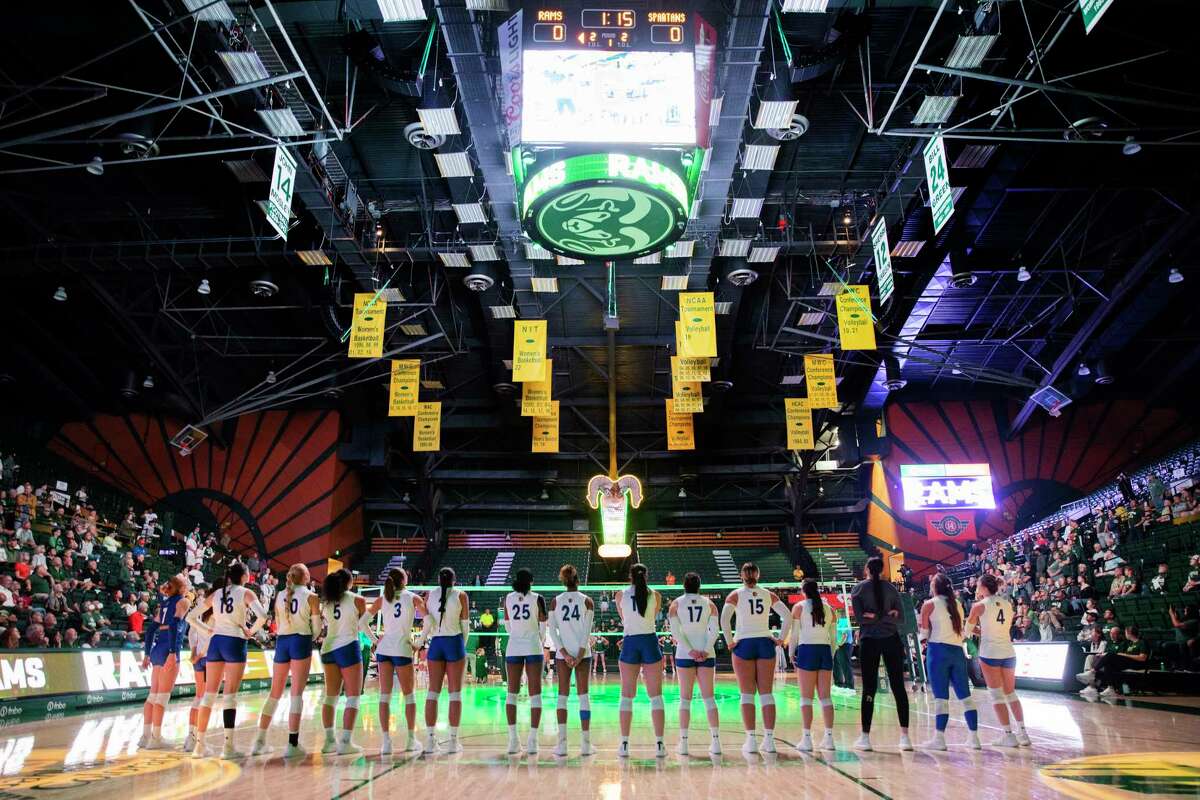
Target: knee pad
585, 707
562, 702
1012, 698
968, 702
269, 706
197, 700
747, 699
296, 704
826, 702
710, 703
511, 699
230, 702
351, 702
535, 701
767, 699
454, 697
626, 704
805, 702
329, 700
656, 703
410, 699
941, 706
208, 700
997, 695
385, 699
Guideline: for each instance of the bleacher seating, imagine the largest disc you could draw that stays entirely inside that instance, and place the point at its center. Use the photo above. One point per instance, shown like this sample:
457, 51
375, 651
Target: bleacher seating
494, 556
838, 556
716, 556
385, 554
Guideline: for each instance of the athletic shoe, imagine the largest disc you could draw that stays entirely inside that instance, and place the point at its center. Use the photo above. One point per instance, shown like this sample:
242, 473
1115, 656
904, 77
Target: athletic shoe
294, 751
623, 750
531, 747
714, 747
231, 753
156, 743
453, 746
768, 745
1087, 676
750, 746
385, 747
586, 749
827, 742
348, 749
1023, 738
189, 742
682, 747
660, 750
973, 741
199, 751
560, 749
863, 742
514, 745
1007, 740
261, 749
805, 744
1089, 692
938, 742
905, 742
1109, 693
411, 745
330, 745
430, 744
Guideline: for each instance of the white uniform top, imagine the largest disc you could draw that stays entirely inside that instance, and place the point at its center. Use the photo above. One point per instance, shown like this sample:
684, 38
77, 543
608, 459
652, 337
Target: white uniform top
521, 622
995, 639
294, 617
341, 622
633, 623
198, 641
229, 612
397, 625
753, 610
698, 624
574, 622
449, 623
805, 632
941, 628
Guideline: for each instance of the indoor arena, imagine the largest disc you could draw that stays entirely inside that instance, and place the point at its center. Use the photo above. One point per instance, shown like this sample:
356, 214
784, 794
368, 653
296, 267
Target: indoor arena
502, 399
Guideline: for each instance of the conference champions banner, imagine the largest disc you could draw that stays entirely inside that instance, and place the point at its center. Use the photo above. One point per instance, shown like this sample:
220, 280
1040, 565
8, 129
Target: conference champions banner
697, 312
403, 389
535, 395
856, 328
687, 397
366, 328
529, 350
680, 433
684, 368
799, 424
545, 430
427, 428
821, 379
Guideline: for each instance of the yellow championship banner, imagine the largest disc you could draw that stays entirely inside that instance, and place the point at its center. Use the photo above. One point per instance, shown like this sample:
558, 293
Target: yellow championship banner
688, 397
680, 433
529, 350
405, 385
698, 314
821, 380
855, 324
366, 327
427, 428
681, 342
535, 395
545, 431
799, 424
684, 368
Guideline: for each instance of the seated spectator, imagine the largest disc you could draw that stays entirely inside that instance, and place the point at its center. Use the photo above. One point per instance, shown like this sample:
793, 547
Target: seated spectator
35, 636
131, 642
93, 641
11, 639
110, 542
70, 639
1186, 647
1133, 583
25, 535
1090, 626
1193, 578
22, 568
1133, 655
137, 619
1158, 584
1048, 625
139, 548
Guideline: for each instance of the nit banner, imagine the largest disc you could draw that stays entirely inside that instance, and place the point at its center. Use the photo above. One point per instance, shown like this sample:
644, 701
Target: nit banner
427, 427
406, 382
545, 431
799, 424
680, 433
529, 350
366, 328
821, 380
535, 395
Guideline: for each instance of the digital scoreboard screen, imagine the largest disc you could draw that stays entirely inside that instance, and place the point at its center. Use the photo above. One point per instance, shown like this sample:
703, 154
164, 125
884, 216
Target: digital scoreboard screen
946, 487
610, 28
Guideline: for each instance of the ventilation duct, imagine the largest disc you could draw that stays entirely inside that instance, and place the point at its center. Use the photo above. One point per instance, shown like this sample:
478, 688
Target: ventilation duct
848, 31
365, 50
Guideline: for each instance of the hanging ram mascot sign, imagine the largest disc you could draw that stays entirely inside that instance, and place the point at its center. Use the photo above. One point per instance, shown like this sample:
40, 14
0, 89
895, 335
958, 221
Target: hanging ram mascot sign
613, 498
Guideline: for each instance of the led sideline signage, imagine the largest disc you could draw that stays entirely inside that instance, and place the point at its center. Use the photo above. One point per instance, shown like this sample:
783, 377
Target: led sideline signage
932, 487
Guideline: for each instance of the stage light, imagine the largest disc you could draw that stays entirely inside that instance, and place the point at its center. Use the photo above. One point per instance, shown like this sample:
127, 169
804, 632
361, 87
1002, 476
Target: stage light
1175, 276
203, 287
60, 294
1023, 274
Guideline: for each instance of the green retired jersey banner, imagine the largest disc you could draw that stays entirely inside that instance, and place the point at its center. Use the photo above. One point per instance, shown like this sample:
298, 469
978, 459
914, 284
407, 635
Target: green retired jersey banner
1092, 11
937, 174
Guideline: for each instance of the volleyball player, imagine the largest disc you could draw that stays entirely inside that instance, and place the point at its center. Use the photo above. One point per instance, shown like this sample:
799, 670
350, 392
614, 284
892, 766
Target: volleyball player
599, 657
753, 648
993, 613
876, 605
297, 616
571, 614
199, 632
814, 630
524, 620
444, 629
225, 662
394, 655
693, 621
941, 627
343, 613
163, 645
638, 606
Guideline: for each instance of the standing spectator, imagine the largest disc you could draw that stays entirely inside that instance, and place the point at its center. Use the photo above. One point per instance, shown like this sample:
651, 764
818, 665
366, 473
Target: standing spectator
1193, 579
1157, 491
1158, 584
81, 495
149, 523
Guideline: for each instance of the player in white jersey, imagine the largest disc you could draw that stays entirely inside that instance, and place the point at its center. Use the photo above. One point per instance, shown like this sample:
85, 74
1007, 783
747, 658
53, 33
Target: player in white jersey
753, 648
225, 662
941, 626
638, 607
444, 630
993, 614
570, 632
343, 614
394, 655
693, 621
813, 631
525, 622
297, 618
199, 632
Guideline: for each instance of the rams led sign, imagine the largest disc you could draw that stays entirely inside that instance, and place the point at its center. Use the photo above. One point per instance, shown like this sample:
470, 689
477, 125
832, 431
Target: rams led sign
934, 487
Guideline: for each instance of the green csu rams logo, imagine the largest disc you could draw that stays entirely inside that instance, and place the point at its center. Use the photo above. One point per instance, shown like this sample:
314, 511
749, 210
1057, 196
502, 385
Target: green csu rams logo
950, 526
605, 205
1175, 774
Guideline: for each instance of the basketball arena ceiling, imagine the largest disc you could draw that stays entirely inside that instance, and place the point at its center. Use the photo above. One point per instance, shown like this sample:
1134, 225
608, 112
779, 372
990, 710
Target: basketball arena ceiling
1060, 250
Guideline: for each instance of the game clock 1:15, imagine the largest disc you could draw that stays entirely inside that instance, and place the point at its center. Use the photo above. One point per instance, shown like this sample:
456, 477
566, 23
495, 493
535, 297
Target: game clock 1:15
608, 18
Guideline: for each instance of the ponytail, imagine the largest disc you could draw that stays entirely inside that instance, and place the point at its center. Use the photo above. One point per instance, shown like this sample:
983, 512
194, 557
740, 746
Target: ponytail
334, 587
990, 582
875, 569
818, 605
522, 581
943, 587
446, 582
641, 592
296, 574
233, 577
397, 579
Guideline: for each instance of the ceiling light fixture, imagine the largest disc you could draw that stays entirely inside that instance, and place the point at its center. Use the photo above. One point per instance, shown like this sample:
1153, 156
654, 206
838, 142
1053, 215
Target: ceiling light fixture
203, 287
60, 294
1084, 370
271, 376
1023, 274
1175, 276
148, 382
95, 166
1131, 146
545, 494
682, 493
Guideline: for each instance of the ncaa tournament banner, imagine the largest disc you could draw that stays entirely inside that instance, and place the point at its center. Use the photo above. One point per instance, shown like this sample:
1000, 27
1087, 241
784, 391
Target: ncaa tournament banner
690, 369
697, 311
367, 326
950, 526
511, 77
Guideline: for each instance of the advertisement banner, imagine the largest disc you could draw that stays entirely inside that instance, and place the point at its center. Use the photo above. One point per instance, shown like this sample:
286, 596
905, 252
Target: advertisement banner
535, 395
366, 327
698, 314
799, 424
821, 379
856, 326
278, 207
545, 430
688, 397
529, 350
511, 77
680, 434
882, 250
684, 368
427, 428
941, 198
405, 385
705, 53
950, 526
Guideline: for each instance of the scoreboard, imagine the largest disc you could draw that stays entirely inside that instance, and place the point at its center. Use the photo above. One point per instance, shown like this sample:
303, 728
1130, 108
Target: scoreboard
610, 29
